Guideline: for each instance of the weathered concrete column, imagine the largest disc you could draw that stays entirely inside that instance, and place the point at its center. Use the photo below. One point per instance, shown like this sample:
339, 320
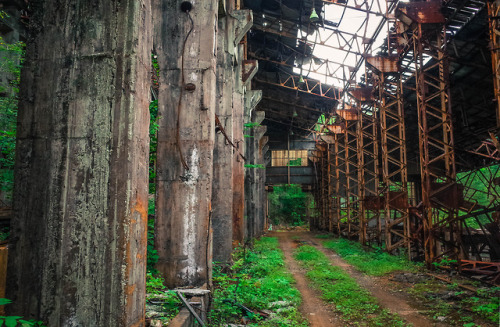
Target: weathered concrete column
78, 252
238, 171
222, 186
233, 25
186, 107
255, 177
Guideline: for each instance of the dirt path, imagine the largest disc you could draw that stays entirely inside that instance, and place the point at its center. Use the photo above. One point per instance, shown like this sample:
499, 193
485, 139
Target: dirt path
313, 308
377, 286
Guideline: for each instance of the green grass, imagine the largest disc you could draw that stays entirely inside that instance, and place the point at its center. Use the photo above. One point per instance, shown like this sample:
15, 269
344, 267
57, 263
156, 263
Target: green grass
465, 308
257, 279
356, 304
374, 263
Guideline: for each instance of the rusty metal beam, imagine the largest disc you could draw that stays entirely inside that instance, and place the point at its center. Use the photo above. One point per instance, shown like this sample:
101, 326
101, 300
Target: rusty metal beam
437, 158
494, 26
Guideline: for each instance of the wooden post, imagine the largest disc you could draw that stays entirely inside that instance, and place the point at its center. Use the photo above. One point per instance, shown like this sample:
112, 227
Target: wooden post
186, 47
78, 248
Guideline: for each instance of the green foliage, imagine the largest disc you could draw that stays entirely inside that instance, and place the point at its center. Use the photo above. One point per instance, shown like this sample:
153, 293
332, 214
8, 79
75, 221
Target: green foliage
257, 279
154, 284
152, 254
289, 205
375, 263
156, 291
4, 234
337, 287
247, 126
481, 191
466, 307
486, 304
153, 144
11, 59
14, 321
295, 162
254, 166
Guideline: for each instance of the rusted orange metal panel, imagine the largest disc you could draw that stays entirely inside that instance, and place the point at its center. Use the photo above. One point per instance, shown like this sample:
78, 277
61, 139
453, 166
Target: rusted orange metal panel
383, 64
348, 114
336, 128
362, 94
425, 12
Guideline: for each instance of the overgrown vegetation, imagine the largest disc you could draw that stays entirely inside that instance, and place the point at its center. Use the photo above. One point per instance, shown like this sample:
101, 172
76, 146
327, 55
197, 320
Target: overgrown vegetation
258, 281
289, 205
356, 304
162, 304
11, 59
375, 262
14, 321
456, 306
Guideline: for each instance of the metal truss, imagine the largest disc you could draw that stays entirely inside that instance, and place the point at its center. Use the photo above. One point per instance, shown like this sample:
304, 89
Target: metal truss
440, 193
394, 162
489, 148
350, 211
310, 86
479, 210
371, 222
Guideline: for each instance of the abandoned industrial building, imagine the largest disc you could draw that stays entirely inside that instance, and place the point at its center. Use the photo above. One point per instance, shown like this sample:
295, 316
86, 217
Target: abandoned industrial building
250, 162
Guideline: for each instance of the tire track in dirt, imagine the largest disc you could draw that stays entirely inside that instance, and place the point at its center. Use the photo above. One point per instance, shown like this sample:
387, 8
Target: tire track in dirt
313, 308
378, 287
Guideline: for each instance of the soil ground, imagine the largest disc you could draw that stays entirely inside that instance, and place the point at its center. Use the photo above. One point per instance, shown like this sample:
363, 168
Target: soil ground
320, 314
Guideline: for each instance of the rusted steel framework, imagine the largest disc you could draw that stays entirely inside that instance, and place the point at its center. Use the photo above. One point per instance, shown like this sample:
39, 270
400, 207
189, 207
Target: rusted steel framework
394, 163
440, 193
479, 211
371, 227
367, 164
349, 173
494, 25
335, 213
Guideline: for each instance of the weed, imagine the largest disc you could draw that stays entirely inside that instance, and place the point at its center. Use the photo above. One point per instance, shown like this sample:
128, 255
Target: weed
165, 302
337, 287
375, 263
257, 279
463, 308
12, 321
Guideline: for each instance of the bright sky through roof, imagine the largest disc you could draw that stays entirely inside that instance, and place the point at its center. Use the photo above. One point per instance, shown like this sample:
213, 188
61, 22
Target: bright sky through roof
339, 49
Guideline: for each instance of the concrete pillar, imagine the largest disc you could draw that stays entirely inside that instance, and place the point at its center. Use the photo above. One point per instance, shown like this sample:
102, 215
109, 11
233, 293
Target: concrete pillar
222, 186
186, 52
78, 246
254, 177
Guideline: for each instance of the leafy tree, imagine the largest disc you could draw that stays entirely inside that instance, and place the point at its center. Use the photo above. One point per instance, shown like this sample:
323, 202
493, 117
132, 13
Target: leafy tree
289, 205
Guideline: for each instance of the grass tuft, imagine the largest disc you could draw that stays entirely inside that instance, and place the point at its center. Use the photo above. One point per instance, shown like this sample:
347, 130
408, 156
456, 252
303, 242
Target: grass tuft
337, 287
257, 280
374, 263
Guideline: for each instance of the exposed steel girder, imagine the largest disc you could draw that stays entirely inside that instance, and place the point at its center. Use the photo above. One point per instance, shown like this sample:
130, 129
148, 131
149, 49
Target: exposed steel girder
394, 162
437, 156
494, 25
331, 72
309, 86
